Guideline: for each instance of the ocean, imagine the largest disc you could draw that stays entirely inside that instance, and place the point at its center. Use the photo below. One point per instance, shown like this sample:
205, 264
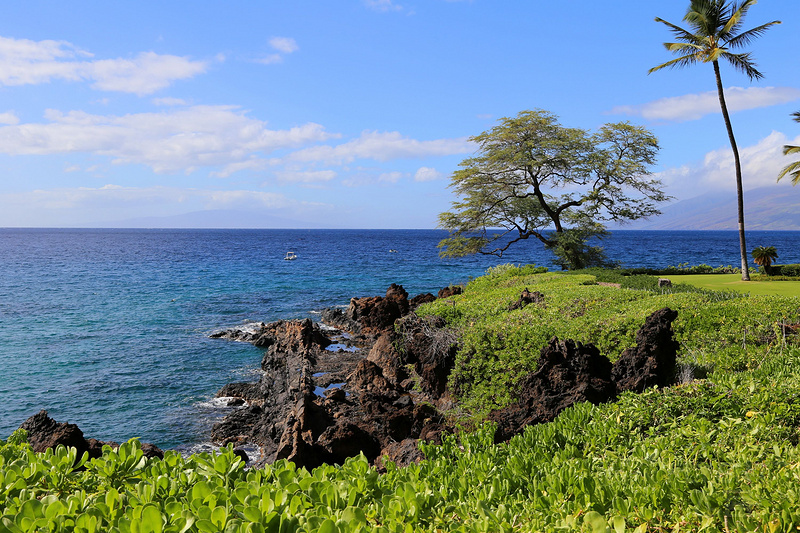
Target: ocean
108, 329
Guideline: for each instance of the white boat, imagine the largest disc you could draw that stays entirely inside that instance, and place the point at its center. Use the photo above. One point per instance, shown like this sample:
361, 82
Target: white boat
290, 256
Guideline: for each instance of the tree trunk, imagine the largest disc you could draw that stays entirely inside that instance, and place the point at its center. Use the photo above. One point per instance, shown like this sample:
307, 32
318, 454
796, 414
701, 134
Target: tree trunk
739, 193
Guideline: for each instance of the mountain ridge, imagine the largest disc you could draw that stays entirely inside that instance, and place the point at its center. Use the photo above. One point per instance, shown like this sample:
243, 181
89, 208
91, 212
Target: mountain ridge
765, 209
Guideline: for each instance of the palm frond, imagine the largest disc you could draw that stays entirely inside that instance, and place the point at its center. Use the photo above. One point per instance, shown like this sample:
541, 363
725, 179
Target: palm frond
678, 62
744, 39
678, 48
793, 170
678, 32
788, 149
744, 64
796, 116
734, 17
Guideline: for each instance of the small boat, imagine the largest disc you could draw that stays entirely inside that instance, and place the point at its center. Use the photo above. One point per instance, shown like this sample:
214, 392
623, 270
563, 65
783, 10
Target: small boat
290, 256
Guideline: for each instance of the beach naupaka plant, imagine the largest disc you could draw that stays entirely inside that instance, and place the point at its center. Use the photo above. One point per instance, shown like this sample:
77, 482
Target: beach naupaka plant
792, 169
715, 31
534, 178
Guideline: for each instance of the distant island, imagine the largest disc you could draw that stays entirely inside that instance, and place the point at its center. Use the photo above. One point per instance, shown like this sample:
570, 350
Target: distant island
766, 208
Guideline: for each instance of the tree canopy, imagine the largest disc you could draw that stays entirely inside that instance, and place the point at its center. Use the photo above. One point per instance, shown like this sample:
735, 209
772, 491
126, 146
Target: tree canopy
533, 177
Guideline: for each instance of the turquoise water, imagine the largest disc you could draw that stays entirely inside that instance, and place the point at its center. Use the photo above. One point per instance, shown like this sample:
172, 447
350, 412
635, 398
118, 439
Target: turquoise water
109, 329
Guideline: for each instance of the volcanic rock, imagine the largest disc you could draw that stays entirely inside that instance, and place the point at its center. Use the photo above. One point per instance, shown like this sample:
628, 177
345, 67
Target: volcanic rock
652, 361
431, 347
45, 433
527, 298
385, 355
420, 299
447, 292
372, 315
567, 372
293, 350
315, 406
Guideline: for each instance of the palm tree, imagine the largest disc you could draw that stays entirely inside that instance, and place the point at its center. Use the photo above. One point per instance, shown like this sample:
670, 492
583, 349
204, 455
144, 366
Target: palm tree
793, 169
764, 256
716, 30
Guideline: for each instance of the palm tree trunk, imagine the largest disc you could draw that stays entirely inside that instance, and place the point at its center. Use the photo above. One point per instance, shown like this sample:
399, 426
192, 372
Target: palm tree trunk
739, 193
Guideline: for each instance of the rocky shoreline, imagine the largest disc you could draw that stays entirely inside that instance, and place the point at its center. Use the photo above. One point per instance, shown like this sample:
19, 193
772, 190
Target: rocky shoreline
377, 392
372, 379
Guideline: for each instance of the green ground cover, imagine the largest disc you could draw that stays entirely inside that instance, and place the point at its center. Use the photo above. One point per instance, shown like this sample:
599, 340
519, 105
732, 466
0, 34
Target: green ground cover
715, 454
733, 282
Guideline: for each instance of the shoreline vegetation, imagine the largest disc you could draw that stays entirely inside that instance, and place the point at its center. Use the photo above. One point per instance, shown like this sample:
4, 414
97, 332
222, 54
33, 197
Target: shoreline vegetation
714, 451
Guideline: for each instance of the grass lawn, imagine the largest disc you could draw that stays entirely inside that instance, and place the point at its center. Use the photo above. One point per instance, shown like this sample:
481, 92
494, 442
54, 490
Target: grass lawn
734, 282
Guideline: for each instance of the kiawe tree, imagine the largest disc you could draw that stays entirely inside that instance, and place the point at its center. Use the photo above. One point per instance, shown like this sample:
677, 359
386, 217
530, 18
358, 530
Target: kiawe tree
792, 169
716, 30
531, 177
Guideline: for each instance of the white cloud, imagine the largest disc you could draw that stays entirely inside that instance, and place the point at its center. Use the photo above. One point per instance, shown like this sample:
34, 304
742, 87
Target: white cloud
306, 176
169, 102
427, 174
383, 5
181, 140
145, 74
9, 118
285, 45
26, 62
391, 177
251, 164
696, 106
380, 146
761, 164
271, 59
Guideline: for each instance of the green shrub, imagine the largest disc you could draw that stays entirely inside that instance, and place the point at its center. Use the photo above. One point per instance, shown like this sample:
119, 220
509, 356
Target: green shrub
722, 331
789, 271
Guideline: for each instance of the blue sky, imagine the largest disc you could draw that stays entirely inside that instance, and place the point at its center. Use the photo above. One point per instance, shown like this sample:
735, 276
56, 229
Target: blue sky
347, 114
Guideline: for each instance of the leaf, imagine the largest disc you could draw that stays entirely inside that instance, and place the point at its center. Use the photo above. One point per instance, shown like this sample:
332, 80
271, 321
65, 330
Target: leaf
707, 522
253, 514
221, 463
201, 490
328, 526
595, 521
219, 516
354, 516
31, 509
151, 519
207, 526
